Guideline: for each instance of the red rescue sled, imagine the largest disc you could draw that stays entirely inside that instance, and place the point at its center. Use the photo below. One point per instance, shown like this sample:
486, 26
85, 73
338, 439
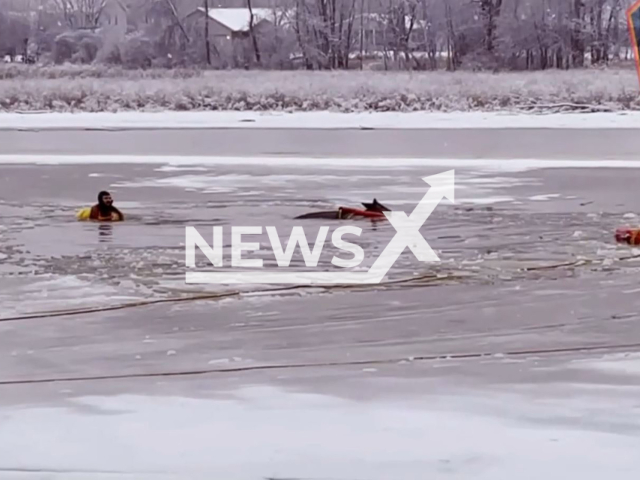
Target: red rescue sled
347, 212
628, 235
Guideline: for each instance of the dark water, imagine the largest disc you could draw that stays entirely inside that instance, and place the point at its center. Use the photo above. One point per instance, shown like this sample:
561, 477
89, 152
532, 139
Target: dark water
501, 224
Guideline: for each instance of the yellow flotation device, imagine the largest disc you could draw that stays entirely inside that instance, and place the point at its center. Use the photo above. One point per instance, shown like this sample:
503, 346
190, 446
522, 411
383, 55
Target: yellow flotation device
84, 214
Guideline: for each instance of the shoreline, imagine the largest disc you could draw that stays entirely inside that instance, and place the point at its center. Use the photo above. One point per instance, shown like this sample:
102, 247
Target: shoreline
490, 165
320, 120
92, 89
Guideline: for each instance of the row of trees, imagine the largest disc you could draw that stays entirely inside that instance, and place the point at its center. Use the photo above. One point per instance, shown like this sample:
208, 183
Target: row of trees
323, 34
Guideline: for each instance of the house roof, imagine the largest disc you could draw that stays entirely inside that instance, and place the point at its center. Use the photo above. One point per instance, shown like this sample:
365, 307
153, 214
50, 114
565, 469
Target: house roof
122, 5
237, 19
383, 18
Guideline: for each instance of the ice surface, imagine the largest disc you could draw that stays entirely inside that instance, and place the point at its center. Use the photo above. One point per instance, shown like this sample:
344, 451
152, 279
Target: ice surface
263, 432
172, 161
485, 200
625, 363
79, 265
543, 197
316, 120
56, 292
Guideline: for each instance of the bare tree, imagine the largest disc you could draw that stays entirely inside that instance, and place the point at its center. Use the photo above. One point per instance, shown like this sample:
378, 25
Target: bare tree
362, 34
577, 39
410, 34
252, 33
453, 52
174, 12
207, 40
81, 13
490, 11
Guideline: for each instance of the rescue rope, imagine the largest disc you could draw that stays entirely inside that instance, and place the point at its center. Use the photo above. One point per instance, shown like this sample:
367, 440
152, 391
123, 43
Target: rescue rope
213, 296
430, 278
421, 358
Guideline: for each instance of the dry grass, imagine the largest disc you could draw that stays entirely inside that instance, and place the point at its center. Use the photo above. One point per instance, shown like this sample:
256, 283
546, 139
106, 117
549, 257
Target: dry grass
108, 89
24, 72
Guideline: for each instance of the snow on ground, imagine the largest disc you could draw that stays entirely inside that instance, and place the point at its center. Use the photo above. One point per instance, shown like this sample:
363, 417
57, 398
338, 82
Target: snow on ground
626, 363
45, 293
94, 88
172, 161
266, 432
315, 120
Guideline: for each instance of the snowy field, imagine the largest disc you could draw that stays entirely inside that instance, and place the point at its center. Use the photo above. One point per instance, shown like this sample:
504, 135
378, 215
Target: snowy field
104, 90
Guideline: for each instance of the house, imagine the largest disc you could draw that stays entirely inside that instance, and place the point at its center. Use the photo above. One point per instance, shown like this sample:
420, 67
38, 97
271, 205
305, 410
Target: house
233, 23
380, 30
230, 35
113, 19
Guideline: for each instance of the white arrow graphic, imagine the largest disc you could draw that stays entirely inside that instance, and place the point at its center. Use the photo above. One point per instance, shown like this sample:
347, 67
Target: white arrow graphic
408, 227
407, 236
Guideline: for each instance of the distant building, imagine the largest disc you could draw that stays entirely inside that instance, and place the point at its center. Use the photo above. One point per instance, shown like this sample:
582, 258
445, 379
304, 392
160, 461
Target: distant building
230, 33
113, 18
231, 23
379, 30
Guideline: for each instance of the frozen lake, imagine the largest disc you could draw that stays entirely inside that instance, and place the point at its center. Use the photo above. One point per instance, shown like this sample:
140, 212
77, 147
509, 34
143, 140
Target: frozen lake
519, 361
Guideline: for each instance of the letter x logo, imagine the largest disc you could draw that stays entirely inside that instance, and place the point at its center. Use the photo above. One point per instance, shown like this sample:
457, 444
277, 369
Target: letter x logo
408, 227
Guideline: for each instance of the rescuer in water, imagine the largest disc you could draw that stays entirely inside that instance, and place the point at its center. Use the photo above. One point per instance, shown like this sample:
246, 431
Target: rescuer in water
103, 211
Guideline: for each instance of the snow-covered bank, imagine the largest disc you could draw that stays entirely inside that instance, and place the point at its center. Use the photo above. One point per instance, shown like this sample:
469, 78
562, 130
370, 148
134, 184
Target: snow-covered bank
315, 120
266, 432
479, 164
102, 89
